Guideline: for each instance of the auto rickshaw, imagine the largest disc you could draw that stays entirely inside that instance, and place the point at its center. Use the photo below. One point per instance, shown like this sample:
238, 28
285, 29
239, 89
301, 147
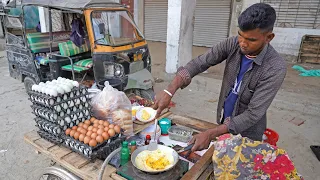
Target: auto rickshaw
81, 40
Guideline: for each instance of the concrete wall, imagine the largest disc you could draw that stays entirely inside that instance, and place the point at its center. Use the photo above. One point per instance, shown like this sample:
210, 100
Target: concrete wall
287, 40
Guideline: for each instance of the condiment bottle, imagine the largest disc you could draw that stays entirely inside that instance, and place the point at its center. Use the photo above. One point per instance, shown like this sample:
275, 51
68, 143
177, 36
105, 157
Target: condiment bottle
133, 146
125, 153
148, 139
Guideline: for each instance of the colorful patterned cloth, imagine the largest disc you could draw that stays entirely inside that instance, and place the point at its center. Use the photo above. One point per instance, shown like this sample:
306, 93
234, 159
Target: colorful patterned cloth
236, 157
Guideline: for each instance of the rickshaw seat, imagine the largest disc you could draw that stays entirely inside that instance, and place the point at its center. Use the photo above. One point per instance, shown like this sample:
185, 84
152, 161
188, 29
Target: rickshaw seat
40, 42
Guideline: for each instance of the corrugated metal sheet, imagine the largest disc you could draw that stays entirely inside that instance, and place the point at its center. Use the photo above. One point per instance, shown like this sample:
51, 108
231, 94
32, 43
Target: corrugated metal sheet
297, 13
155, 20
211, 21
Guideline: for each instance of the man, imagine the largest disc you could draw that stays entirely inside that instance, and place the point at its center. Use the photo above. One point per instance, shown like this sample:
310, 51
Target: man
253, 74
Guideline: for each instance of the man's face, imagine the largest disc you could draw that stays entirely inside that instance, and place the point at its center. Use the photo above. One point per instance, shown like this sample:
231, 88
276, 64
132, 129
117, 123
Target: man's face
252, 42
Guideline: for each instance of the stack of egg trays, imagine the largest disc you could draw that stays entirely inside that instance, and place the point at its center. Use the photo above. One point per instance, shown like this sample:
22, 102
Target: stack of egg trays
65, 110
48, 126
100, 151
49, 137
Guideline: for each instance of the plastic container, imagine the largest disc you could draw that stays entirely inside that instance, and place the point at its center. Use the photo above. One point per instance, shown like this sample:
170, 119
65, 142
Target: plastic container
272, 136
114, 82
125, 153
179, 133
164, 124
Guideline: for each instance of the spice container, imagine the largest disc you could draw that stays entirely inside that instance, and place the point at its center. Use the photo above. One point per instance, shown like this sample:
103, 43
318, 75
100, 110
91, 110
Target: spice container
133, 146
179, 133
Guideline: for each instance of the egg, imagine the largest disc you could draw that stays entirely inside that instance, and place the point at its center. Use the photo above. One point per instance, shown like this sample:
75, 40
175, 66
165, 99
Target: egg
99, 139
68, 131
105, 136
41, 84
94, 129
100, 126
72, 132
111, 126
90, 128
89, 133
76, 135
86, 140
96, 121
75, 83
79, 129
106, 123
101, 122
95, 125
87, 122
80, 124
106, 129
83, 131
117, 129
94, 135
59, 90
85, 126
92, 143
81, 137
111, 132
74, 127
33, 86
66, 88
100, 131
92, 119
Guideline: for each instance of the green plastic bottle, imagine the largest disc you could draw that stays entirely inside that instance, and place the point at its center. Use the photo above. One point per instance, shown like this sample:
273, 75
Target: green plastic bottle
125, 153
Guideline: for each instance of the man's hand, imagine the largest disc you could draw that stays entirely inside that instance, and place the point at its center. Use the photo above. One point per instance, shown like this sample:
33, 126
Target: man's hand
202, 141
162, 101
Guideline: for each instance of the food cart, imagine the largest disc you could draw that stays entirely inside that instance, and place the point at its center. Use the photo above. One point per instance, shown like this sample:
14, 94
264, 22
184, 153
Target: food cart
81, 167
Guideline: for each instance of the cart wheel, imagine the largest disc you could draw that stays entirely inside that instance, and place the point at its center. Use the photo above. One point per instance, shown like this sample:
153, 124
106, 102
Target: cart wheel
28, 82
57, 173
147, 94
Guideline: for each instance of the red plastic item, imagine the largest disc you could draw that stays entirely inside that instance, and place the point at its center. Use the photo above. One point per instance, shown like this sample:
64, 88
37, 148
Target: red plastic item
272, 136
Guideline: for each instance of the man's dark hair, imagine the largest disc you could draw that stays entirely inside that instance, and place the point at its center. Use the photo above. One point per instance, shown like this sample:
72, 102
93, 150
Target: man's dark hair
258, 16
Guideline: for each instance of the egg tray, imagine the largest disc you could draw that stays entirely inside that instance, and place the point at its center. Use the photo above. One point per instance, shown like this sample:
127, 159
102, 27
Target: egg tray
49, 137
77, 93
100, 151
48, 126
64, 120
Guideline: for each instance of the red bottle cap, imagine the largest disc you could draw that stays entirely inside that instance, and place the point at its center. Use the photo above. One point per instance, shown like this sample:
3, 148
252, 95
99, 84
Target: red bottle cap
148, 137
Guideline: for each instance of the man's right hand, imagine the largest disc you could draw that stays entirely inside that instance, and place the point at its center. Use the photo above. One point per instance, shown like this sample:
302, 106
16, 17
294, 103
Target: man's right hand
162, 101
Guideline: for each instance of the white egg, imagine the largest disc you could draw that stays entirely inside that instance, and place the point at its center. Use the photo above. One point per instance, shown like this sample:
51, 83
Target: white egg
66, 88
54, 81
32, 88
41, 84
59, 78
54, 92
47, 82
60, 90
75, 83
47, 91
43, 90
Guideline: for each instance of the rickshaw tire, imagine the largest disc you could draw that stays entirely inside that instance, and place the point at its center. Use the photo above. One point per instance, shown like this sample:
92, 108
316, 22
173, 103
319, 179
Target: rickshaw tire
28, 82
147, 94
57, 173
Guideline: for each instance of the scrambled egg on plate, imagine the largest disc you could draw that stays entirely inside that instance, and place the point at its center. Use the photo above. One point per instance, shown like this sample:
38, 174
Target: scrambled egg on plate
154, 160
145, 115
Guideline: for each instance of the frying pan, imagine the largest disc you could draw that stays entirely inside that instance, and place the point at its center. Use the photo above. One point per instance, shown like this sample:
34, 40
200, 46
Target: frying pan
161, 148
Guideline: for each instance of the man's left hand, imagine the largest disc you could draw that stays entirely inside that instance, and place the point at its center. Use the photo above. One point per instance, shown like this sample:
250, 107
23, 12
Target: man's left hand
201, 141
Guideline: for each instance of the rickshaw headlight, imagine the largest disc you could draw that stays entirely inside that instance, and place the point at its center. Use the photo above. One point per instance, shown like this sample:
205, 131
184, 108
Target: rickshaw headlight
117, 70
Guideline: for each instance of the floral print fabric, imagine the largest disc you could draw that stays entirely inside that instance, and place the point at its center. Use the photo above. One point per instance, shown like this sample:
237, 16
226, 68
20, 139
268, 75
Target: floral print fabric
237, 157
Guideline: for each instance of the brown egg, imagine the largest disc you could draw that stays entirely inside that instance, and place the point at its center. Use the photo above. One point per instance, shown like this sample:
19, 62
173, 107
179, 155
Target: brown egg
86, 140
90, 128
100, 131
92, 143
96, 121
85, 126
111, 132
92, 119
105, 136
94, 135
74, 127
87, 122
101, 122
80, 124
83, 131
111, 126
95, 125
117, 129
106, 123
76, 135
81, 137
99, 139
106, 129
79, 129
72, 133
68, 131
100, 126
89, 133
94, 129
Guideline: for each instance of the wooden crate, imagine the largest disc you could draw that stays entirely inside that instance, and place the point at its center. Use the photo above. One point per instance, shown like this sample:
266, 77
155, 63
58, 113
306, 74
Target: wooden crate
310, 49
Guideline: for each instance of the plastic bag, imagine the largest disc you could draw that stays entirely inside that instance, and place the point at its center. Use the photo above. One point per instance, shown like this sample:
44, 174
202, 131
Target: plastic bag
114, 106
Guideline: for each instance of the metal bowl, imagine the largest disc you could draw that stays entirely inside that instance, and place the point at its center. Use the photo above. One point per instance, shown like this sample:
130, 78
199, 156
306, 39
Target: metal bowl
161, 147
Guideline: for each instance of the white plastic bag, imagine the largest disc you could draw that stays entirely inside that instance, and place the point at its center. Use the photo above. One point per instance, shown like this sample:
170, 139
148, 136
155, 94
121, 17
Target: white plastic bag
114, 106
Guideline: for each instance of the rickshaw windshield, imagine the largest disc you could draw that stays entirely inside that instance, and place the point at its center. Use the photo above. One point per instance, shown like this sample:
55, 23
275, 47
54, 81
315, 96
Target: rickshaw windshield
114, 28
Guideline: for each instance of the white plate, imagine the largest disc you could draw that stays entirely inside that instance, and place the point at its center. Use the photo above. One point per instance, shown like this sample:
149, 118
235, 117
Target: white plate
150, 110
135, 108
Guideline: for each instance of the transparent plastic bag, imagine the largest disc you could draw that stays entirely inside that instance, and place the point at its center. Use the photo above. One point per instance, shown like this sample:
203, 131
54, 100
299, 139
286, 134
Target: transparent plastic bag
114, 106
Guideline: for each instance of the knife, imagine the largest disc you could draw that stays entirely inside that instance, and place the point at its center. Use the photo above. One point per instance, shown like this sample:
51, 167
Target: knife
187, 148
